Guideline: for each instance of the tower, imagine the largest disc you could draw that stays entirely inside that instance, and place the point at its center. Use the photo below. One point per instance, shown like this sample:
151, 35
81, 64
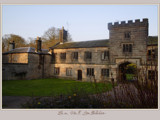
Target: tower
128, 40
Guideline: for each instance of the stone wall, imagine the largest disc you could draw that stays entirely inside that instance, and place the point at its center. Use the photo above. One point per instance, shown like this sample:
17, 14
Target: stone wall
33, 69
15, 58
81, 64
83, 67
138, 37
96, 56
138, 32
36, 66
14, 71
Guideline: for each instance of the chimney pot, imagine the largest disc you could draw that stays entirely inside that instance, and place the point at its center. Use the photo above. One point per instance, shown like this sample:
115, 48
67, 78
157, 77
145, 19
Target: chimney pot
38, 44
11, 45
62, 35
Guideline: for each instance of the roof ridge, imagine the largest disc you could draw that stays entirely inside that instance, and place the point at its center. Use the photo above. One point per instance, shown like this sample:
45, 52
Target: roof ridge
23, 47
86, 41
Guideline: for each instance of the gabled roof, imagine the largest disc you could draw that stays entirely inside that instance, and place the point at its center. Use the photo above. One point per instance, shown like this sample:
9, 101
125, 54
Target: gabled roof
82, 44
26, 50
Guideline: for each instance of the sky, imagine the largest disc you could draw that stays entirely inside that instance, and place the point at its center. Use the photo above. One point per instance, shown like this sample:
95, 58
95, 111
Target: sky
83, 22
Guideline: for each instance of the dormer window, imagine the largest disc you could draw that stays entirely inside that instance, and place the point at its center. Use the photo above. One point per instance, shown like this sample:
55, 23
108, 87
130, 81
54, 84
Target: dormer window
127, 35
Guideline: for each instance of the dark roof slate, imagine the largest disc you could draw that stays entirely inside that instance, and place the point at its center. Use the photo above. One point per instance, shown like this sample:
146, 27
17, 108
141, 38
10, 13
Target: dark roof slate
152, 40
82, 44
26, 50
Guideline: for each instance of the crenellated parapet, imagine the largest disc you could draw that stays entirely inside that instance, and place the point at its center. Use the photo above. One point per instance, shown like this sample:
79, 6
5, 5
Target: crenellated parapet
130, 23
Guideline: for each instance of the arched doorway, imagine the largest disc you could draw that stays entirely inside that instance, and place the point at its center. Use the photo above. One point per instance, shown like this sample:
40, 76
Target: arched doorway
126, 72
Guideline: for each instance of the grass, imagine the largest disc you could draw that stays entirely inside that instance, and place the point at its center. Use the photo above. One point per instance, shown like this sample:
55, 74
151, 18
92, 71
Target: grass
50, 87
129, 76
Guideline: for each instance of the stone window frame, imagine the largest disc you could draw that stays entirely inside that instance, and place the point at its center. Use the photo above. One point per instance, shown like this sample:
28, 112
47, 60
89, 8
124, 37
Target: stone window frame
127, 35
105, 55
56, 70
127, 47
105, 72
63, 56
68, 71
74, 55
151, 54
88, 55
90, 71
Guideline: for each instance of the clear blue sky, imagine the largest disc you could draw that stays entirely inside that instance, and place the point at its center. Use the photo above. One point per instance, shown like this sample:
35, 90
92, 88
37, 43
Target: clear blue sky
84, 22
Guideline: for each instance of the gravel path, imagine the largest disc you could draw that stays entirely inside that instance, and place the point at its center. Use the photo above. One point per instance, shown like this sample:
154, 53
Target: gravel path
13, 102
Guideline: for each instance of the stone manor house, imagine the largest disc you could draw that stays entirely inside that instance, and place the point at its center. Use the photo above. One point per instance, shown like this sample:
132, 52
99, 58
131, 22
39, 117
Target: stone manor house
98, 60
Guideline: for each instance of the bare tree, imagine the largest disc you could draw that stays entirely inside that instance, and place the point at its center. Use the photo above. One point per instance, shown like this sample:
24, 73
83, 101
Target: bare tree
51, 37
32, 42
7, 38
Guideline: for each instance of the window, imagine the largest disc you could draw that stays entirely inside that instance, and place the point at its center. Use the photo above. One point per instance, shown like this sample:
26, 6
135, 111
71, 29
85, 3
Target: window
130, 47
90, 71
56, 70
75, 55
63, 56
127, 47
151, 54
105, 72
127, 35
68, 71
88, 55
105, 55
151, 74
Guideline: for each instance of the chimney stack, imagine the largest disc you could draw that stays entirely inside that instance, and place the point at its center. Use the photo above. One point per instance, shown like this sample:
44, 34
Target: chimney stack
62, 35
38, 44
11, 45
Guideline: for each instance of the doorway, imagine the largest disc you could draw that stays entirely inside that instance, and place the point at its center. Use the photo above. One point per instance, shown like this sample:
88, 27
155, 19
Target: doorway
123, 71
79, 74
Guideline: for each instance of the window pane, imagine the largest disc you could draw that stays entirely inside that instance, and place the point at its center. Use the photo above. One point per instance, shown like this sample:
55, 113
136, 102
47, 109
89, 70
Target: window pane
130, 48
87, 71
149, 52
102, 55
107, 72
108, 54
124, 48
92, 71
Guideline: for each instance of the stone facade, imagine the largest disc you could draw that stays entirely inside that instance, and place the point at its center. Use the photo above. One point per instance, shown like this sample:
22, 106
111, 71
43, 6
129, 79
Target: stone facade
127, 44
29, 67
81, 63
137, 37
15, 58
100, 60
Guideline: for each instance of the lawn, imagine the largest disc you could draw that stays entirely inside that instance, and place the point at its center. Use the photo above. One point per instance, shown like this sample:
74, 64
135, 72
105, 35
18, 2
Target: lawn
51, 87
129, 76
